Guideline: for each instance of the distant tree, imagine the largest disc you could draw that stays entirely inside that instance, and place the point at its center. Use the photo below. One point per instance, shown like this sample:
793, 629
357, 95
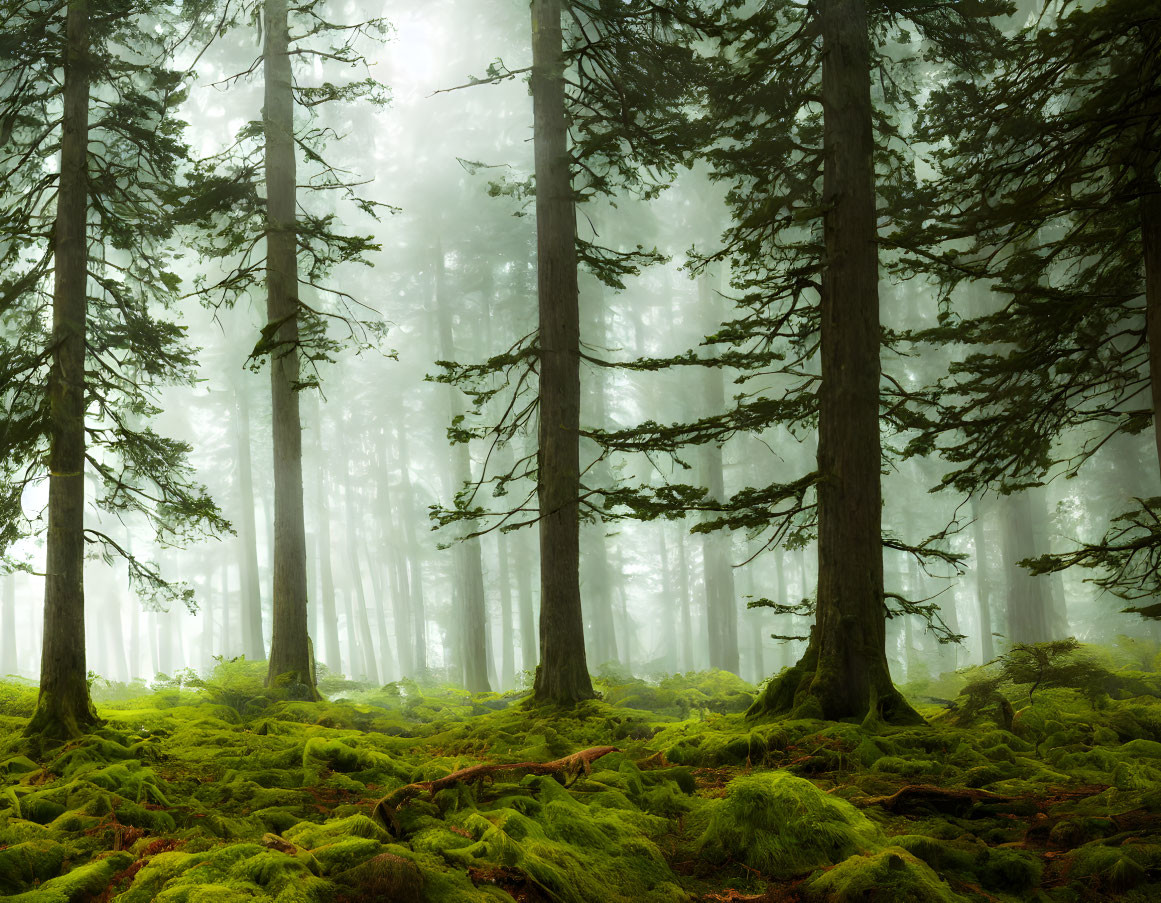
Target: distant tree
105, 256
1050, 197
606, 121
302, 248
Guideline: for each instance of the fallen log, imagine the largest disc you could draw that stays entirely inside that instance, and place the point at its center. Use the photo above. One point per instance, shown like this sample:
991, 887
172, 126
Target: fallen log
566, 770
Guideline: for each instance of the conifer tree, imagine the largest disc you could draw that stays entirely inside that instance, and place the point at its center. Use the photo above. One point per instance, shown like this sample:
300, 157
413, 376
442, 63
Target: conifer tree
1050, 197
108, 350
607, 96
250, 195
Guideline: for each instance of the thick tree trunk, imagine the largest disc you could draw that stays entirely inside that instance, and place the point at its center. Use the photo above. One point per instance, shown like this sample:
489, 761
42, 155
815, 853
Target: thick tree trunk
253, 645
290, 648
64, 708
844, 673
563, 675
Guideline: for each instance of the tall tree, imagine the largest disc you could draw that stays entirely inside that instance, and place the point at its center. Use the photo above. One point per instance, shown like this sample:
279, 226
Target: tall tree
109, 347
64, 703
291, 656
562, 675
845, 665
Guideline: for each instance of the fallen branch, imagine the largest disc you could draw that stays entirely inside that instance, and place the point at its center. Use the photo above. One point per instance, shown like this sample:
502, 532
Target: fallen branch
928, 798
570, 767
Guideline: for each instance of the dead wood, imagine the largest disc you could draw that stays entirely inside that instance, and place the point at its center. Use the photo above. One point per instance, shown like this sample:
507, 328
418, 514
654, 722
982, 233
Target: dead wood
565, 770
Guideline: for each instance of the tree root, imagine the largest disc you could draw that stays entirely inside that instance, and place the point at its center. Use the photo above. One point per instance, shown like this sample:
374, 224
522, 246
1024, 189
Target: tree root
570, 767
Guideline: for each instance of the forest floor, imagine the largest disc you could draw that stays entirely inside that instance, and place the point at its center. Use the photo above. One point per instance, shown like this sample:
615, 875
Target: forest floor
211, 791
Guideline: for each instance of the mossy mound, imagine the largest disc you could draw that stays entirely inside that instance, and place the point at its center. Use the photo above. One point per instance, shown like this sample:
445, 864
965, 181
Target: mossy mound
890, 876
784, 826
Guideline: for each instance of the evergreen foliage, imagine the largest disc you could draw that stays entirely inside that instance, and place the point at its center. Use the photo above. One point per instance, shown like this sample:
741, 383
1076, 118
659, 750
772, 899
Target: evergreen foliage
134, 344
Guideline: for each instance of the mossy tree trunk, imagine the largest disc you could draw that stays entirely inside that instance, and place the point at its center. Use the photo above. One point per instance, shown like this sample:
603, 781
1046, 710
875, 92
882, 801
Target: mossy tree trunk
563, 675
63, 708
290, 648
843, 673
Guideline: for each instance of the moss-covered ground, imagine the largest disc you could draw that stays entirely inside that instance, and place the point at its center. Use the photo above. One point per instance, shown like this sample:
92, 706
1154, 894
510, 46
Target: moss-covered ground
212, 791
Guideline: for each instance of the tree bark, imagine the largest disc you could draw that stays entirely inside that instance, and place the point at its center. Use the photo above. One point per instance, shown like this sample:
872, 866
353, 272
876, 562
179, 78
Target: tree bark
290, 648
563, 675
844, 672
63, 707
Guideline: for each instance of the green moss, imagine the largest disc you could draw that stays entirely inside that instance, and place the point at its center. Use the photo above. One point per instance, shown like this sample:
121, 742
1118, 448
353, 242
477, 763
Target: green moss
782, 825
890, 876
28, 863
82, 882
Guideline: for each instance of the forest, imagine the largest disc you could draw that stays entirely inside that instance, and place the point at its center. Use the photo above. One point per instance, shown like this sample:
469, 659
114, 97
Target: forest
568, 451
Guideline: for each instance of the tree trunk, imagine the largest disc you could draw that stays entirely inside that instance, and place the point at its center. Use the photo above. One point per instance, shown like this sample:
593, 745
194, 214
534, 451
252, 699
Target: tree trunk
1151, 251
371, 668
63, 708
1028, 602
983, 590
844, 673
597, 577
529, 642
329, 617
720, 606
253, 645
471, 629
8, 657
290, 648
563, 675
687, 661
507, 631
413, 555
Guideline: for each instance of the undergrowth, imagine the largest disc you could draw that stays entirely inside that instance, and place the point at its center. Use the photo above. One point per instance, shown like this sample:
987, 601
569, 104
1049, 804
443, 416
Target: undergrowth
1037, 778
